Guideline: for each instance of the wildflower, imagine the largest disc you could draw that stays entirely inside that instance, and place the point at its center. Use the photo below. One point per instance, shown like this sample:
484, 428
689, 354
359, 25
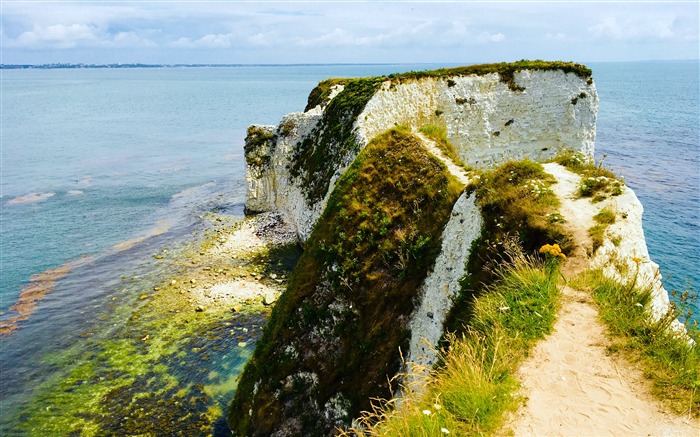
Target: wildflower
552, 249
427, 412
444, 430
437, 406
636, 259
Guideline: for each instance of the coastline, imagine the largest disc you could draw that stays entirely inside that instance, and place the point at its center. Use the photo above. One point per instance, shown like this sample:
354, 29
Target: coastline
173, 347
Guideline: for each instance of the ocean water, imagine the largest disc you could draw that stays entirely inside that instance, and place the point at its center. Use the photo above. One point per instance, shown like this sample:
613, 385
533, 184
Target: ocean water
649, 128
100, 168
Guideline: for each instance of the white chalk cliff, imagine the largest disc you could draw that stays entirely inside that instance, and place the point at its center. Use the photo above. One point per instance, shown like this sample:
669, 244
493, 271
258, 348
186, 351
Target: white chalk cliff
293, 168
486, 121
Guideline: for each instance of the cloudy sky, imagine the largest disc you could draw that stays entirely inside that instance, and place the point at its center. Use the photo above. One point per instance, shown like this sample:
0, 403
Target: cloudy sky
260, 31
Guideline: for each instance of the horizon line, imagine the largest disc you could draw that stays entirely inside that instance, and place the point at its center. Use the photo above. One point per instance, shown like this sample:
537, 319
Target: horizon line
58, 65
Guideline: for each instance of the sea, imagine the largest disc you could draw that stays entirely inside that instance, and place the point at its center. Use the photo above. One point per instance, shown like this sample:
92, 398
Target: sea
103, 167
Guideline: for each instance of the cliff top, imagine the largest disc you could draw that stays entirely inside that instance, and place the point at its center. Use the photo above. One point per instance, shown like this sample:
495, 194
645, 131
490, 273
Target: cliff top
506, 71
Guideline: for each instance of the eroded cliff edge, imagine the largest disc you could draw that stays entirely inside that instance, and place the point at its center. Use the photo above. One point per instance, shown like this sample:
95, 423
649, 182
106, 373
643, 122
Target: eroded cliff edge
388, 227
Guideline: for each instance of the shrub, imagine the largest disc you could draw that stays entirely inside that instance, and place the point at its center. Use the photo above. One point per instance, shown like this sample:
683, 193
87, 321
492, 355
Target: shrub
596, 181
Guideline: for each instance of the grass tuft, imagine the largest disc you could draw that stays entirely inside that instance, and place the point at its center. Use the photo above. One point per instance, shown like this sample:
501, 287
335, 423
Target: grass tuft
604, 219
597, 181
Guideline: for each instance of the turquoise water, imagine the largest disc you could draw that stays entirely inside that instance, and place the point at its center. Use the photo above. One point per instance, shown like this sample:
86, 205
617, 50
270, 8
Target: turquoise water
111, 156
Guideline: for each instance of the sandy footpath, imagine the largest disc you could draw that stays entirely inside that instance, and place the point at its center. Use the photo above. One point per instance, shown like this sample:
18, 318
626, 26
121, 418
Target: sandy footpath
573, 387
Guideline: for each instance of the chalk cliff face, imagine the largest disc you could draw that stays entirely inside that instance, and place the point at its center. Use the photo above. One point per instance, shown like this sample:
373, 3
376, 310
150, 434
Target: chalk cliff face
488, 121
388, 227
624, 255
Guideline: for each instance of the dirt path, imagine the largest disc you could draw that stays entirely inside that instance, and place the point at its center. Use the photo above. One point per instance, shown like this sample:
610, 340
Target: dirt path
453, 168
573, 387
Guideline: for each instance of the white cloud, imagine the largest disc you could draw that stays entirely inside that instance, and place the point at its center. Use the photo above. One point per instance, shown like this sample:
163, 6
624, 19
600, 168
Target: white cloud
130, 39
634, 28
559, 36
261, 39
182, 43
61, 36
334, 38
217, 41
489, 37
56, 36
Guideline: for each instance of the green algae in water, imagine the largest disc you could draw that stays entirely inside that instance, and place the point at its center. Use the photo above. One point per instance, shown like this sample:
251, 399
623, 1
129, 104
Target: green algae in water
126, 388
148, 368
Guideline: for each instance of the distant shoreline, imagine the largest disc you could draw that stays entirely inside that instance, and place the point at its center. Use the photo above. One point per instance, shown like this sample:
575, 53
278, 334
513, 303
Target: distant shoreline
54, 66
102, 66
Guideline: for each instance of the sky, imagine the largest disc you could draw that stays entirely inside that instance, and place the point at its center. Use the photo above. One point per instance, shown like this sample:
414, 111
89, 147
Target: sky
282, 32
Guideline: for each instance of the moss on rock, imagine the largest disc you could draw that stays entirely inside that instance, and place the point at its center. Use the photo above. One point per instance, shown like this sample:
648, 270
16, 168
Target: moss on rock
333, 140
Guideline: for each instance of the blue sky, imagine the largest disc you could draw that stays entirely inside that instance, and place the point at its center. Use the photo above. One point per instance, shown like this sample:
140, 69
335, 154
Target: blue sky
345, 31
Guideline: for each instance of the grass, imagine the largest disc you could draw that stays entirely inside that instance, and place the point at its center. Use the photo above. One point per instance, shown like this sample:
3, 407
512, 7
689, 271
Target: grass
515, 202
668, 360
604, 218
439, 135
468, 394
597, 182
344, 315
320, 94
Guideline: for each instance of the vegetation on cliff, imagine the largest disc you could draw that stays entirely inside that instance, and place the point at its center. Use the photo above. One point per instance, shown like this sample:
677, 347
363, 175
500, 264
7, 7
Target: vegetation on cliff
515, 202
332, 142
334, 337
668, 359
259, 146
474, 385
505, 70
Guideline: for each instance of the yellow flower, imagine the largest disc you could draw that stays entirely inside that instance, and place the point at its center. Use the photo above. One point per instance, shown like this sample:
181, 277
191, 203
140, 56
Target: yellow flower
636, 259
552, 249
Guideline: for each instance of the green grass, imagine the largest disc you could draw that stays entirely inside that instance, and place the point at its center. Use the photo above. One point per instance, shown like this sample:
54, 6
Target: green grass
668, 360
348, 302
468, 394
516, 203
604, 219
439, 135
597, 182
321, 93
